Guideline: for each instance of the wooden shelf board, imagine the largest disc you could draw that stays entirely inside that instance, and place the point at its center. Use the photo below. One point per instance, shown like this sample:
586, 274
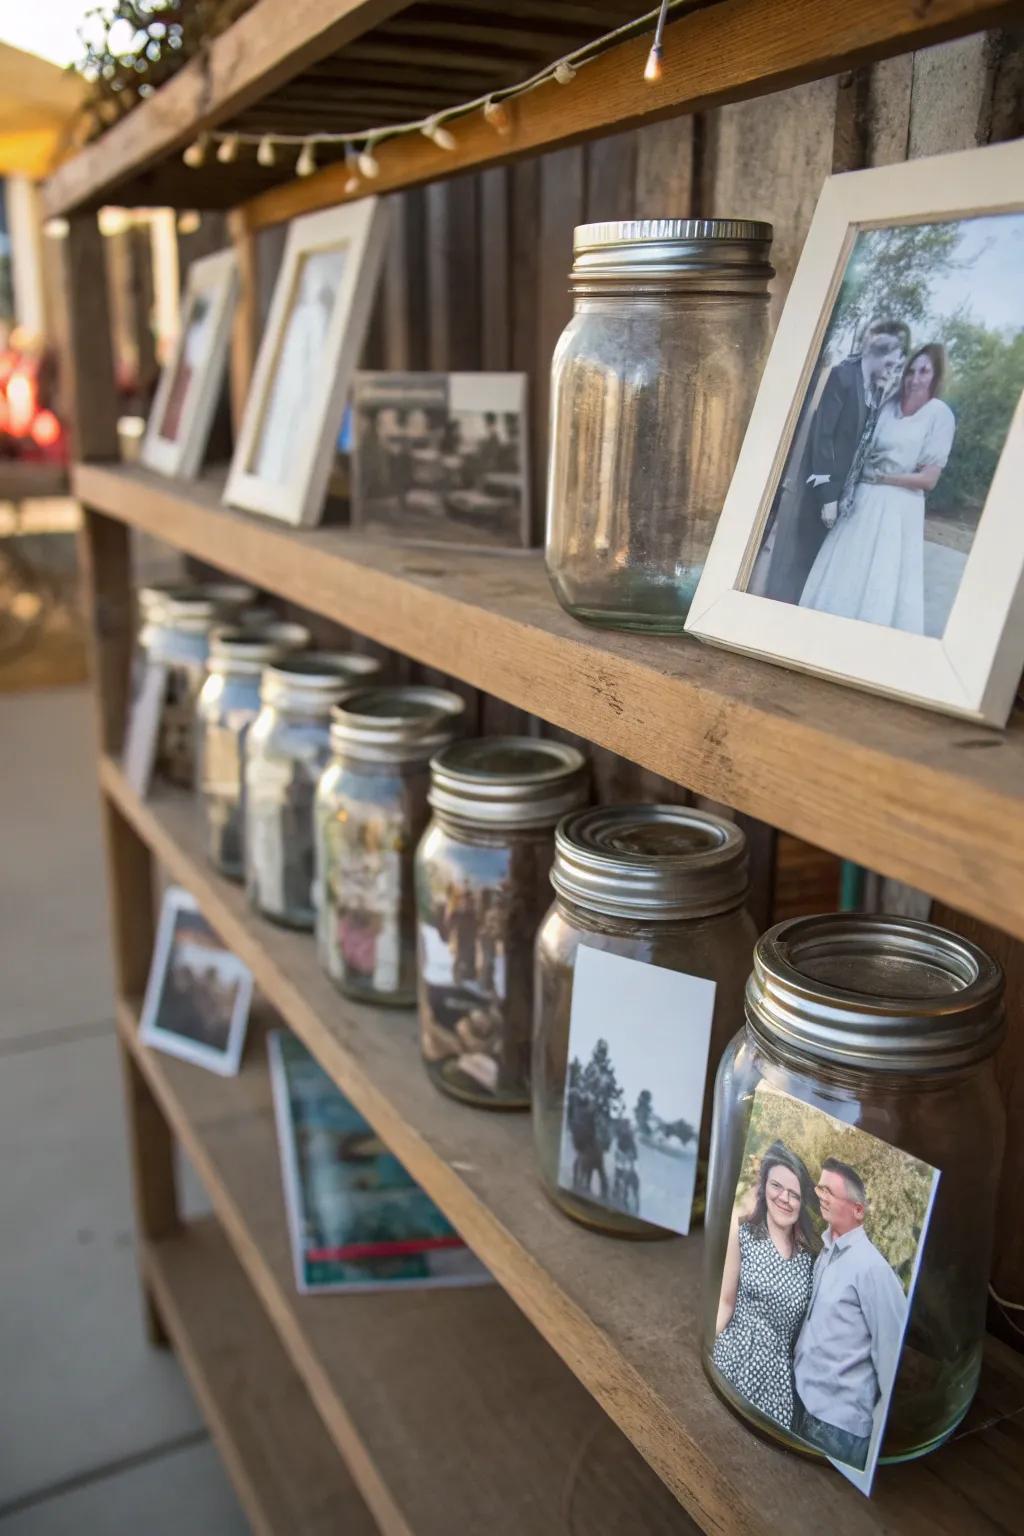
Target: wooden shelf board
916, 796
721, 51
624, 1317
450, 1410
286, 1470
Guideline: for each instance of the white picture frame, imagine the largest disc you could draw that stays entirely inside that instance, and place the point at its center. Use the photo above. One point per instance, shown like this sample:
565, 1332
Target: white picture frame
191, 380
182, 927
286, 444
972, 669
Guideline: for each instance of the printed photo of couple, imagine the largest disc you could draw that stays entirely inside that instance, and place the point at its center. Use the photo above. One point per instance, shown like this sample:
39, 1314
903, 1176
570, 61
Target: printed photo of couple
828, 1227
901, 429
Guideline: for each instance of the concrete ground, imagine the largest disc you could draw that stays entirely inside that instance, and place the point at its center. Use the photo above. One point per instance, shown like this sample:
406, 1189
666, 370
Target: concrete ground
99, 1434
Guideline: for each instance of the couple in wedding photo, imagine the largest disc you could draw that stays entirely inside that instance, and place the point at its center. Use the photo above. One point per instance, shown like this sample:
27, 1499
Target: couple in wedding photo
848, 535
809, 1329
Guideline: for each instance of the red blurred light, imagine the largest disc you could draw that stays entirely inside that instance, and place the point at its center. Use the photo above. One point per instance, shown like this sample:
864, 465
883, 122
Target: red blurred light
46, 430
21, 404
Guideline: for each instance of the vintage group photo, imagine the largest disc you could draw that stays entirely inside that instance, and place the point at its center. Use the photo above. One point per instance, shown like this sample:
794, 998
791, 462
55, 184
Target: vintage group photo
442, 457
906, 413
638, 1048
198, 994
828, 1227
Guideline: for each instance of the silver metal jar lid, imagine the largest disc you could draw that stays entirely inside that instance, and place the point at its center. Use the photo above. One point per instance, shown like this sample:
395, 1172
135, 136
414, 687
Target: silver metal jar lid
314, 680
659, 863
243, 650
876, 993
726, 255
188, 609
221, 597
514, 781
395, 725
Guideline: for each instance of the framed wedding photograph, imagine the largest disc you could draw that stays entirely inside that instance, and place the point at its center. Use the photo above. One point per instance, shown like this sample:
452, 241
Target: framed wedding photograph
186, 398
198, 993
441, 458
872, 530
312, 341
828, 1229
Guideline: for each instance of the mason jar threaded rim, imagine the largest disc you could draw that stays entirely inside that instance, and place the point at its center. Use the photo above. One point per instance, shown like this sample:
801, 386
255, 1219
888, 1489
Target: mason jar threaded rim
314, 680
515, 781
395, 724
657, 254
875, 993
659, 863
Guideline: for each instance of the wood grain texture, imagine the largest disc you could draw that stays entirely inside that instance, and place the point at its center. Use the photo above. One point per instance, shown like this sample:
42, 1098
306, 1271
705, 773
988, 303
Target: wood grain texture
450, 1411
286, 1471
723, 52
624, 1317
912, 795
85, 345
272, 42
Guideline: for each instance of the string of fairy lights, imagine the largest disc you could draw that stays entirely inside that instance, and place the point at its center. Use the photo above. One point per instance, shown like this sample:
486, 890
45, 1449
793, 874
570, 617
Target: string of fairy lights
360, 147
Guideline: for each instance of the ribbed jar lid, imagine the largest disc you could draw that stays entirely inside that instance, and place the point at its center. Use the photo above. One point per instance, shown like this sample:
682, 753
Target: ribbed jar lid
659, 863
314, 680
514, 781
876, 993
221, 597
395, 725
243, 650
188, 609
730, 254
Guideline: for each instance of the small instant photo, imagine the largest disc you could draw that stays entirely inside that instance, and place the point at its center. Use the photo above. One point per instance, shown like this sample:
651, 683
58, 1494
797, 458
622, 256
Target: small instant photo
198, 993
441, 458
313, 337
872, 530
179, 424
638, 1053
828, 1228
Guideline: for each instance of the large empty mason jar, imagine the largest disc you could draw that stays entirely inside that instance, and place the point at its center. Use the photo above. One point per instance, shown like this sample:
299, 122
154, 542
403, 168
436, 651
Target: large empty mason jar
652, 382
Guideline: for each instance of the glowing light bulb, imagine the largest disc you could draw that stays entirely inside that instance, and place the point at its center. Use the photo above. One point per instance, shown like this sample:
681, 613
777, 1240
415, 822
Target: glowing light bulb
306, 163
266, 154
227, 149
196, 153
496, 113
367, 164
564, 72
438, 134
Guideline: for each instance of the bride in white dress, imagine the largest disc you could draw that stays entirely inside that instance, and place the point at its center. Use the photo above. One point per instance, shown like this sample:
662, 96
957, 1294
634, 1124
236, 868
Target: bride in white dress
871, 565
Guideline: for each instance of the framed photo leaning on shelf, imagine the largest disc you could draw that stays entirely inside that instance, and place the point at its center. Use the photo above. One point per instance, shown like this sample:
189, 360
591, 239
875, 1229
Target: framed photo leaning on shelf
179, 423
872, 531
198, 993
310, 347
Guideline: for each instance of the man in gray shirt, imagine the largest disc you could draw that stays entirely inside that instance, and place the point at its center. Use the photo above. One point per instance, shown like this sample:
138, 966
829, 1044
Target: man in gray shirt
849, 1345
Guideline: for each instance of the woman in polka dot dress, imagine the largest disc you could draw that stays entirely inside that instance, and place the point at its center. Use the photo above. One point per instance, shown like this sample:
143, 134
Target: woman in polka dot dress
766, 1286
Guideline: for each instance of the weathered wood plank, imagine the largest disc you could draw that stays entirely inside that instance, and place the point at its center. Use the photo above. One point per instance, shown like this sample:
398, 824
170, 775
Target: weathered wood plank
913, 795
722, 52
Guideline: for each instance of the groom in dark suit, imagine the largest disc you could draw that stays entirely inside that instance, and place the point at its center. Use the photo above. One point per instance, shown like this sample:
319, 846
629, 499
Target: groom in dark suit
808, 502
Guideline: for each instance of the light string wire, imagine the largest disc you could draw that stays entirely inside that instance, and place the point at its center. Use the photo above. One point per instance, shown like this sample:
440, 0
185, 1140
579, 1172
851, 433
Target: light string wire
432, 126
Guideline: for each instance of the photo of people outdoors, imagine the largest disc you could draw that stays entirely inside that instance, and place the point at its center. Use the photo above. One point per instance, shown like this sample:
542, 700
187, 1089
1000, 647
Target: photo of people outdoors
828, 1227
638, 1049
463, 912
198, 995
286, 415
442, 457
900, 433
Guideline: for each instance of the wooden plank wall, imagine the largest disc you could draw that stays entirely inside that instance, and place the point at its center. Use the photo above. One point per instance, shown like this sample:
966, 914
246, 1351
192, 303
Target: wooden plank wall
475, 277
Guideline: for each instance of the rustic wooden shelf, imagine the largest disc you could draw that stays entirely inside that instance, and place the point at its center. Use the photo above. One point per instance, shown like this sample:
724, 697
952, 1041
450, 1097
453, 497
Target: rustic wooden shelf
624, 1317
262, 73
450, 1410
285, 1468
932, 801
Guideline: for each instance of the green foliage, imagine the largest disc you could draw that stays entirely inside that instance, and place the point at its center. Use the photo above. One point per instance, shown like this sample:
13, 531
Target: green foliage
985, 382
890, 275
898, 1186
600, 1082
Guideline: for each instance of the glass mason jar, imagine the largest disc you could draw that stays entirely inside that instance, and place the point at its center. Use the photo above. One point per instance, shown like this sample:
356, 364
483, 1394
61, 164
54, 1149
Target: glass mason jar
662, 885
482, 887
176, 626
286, 750
228, 704
888, 1025
652, 382
371, 810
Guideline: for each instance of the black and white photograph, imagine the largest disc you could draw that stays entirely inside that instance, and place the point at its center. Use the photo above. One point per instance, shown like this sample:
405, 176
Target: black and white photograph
902, 426
638, 1049
442, 457
828, 1227
198, 993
